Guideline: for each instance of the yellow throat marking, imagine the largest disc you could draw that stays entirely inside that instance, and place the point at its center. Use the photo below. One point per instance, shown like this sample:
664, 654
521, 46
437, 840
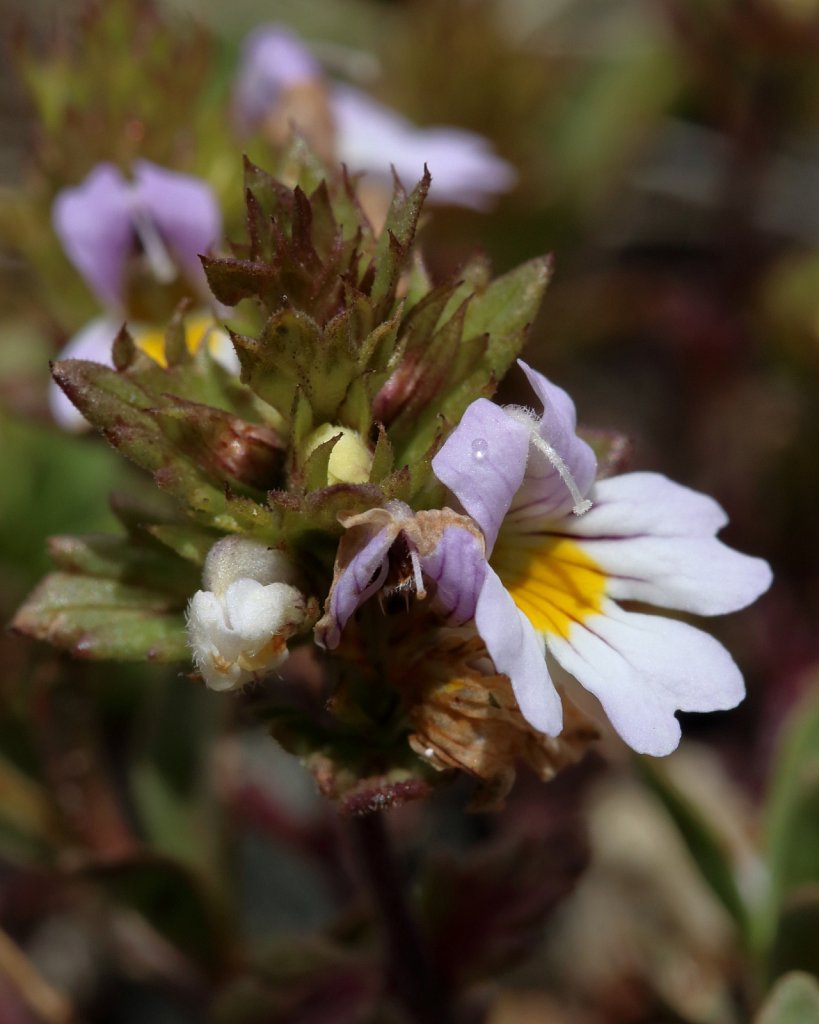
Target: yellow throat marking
198, 328
551, 579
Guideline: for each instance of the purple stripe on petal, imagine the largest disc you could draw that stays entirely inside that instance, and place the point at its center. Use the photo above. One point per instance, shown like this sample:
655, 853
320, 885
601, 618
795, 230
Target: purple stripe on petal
483, 462
644, 668
93, 222
518, 652
363, 575
458, 568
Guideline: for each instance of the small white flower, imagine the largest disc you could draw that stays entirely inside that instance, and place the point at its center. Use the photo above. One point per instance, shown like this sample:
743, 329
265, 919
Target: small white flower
239, 625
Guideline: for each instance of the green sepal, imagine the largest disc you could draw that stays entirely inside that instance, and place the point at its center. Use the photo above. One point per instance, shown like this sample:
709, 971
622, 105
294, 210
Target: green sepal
495, 326
316, 469
383, 458
395, 242
505, 310
119, 558
188, 542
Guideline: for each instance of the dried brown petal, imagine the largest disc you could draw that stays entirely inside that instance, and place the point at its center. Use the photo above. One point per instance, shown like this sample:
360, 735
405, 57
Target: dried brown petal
465, 716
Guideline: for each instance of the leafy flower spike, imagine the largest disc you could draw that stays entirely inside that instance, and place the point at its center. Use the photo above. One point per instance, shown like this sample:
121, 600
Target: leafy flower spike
564, 550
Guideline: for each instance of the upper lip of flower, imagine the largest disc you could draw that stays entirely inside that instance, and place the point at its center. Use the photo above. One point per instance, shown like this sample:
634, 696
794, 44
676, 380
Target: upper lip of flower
175, 215
554, 577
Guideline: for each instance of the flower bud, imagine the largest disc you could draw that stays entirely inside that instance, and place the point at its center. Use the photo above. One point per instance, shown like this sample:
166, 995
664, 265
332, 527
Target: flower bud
350, 460
240, 624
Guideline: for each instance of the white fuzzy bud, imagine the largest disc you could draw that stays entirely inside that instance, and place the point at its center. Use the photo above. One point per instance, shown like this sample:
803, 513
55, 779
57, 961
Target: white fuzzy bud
239, 625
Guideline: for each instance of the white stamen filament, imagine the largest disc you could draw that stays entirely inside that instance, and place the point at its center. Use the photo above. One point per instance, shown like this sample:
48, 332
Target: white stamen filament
420, 589
156, 252
581, 504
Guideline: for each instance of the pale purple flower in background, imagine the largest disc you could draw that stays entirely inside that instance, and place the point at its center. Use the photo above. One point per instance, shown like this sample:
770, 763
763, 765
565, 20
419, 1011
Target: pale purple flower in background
564, 550
369, 137
170, 218
165, 218
273, 60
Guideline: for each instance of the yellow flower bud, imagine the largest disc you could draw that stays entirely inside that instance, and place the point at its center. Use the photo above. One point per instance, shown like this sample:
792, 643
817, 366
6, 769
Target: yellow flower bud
350, 461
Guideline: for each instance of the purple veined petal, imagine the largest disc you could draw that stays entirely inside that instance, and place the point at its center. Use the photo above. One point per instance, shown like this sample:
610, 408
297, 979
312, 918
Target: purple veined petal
363, 575
644, 668
93, 223
371, 137
544, 494
93, 343
519, 653
690, 574
273, 59
184, 210
654, 539
458, 568
635, 504
483, 462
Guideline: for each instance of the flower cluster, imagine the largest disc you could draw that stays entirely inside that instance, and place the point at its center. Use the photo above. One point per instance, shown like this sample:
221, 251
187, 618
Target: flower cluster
347, 486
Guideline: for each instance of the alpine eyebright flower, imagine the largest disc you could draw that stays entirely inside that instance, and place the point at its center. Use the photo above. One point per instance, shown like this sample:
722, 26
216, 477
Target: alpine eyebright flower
396, 547
240, 623
564, 551
117, 233
280, 82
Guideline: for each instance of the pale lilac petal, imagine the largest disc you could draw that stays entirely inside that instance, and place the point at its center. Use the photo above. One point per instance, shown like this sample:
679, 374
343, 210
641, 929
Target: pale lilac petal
544, 494
691, 574
360, 579
93, 223
272, 60
518, 652
93, 343
643, 668
458, 568
636, 504
373, 138
655, 541
483, 462
184, 210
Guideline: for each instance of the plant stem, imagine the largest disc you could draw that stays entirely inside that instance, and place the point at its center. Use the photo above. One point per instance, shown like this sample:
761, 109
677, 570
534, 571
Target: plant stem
410, 970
